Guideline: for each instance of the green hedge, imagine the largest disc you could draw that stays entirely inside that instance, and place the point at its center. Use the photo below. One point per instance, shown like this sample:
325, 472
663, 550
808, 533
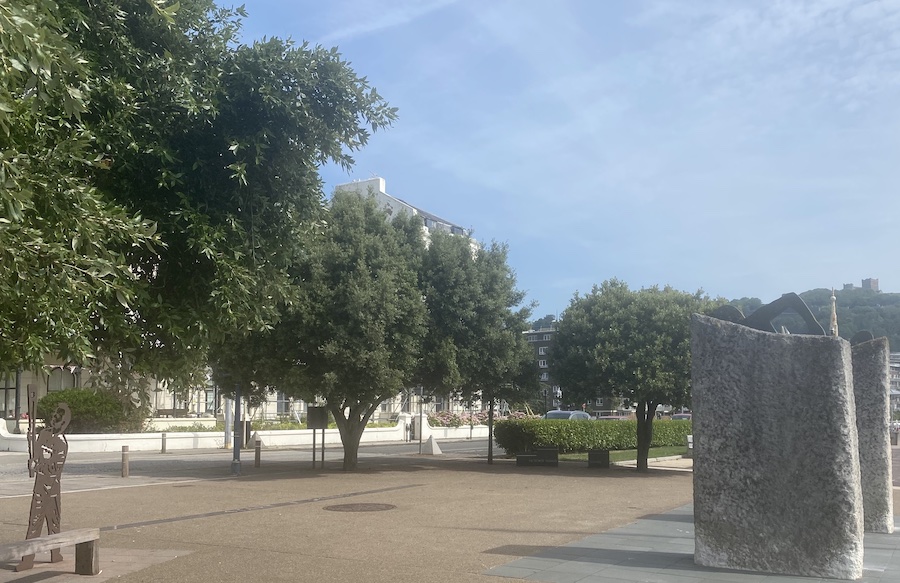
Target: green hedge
521, 435
94, 411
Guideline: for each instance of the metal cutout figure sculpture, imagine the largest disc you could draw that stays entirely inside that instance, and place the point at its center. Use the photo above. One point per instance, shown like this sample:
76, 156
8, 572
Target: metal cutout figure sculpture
761, 319
47, 450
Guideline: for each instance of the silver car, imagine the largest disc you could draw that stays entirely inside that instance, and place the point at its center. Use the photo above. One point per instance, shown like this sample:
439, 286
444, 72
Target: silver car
571, 415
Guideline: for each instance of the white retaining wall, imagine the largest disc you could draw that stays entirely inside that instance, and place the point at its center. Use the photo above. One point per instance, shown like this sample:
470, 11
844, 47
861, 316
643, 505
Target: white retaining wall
216, 439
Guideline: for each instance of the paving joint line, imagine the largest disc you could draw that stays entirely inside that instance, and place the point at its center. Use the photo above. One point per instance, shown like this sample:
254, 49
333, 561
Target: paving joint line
255, 508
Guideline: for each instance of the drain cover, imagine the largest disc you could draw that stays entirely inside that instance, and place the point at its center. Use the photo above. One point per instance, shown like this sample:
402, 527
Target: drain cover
361, 507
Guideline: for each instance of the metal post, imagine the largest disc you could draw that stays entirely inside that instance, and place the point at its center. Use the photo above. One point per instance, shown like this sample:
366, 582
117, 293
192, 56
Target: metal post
238, 433
18, 400
229, 421
421, 413
491, 432
125, 461
258, 450
163, 443
314, 447
322, 464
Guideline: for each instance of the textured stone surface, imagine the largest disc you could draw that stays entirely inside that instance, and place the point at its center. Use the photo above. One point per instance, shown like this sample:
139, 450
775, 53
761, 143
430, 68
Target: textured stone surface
776, 457
871, 387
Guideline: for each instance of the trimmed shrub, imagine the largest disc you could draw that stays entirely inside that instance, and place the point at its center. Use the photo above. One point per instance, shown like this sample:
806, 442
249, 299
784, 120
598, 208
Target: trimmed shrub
94, 411
522, 435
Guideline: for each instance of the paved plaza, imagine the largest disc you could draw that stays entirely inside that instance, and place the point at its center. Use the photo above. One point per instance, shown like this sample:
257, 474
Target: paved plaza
401, 518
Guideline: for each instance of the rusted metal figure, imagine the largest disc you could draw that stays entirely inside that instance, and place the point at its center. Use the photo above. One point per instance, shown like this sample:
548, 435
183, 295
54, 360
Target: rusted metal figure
47, 455
761, 319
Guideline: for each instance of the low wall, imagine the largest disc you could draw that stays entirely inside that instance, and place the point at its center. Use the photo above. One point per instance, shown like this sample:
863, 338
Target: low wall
164, 423
152, 441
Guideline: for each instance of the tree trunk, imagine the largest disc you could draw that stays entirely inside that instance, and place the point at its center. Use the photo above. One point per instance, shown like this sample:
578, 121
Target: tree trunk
646, 413
351, 429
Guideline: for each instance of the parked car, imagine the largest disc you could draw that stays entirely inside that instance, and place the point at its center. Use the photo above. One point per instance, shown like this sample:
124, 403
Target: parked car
571, 415
612, 418
681, 417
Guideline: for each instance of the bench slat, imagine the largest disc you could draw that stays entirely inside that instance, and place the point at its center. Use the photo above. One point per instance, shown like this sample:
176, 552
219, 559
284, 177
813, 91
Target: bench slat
42, 544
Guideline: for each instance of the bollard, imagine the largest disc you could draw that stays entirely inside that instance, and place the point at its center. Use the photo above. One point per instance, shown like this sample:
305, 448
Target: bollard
258, 448
124, 461
163, 443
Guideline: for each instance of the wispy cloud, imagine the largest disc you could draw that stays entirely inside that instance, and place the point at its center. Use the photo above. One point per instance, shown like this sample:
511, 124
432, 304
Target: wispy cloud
361, 18
674, 141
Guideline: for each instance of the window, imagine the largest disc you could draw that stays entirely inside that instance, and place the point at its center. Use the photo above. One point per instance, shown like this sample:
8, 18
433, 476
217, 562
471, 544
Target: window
210, 404
542, 363
532, 338
547, 336
284, 403
542, 350
598, 402
60, 378
545, 376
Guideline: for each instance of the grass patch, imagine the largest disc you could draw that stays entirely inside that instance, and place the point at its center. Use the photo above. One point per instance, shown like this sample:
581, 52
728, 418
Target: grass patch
628, 454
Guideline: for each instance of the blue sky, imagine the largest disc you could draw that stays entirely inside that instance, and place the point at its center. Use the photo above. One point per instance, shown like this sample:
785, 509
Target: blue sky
746, 148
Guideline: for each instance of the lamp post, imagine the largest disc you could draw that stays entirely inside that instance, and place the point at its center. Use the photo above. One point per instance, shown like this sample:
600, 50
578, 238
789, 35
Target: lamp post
238, 432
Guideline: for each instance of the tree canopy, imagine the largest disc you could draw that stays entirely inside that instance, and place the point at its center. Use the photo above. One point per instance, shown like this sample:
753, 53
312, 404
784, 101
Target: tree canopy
629, 344
62, 242
474, 345
352, 337
185, 162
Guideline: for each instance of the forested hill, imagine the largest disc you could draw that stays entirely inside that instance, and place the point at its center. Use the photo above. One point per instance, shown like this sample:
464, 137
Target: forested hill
857, 309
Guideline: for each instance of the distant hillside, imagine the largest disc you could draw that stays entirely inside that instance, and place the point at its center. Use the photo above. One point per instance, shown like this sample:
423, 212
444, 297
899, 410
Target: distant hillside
857, 309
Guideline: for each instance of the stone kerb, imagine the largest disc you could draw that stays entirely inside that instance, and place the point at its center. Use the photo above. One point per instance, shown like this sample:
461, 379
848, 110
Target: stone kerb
776, 457
871, 386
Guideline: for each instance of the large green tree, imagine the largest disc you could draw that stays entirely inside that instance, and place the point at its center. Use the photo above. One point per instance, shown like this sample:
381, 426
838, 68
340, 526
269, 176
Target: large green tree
474, 348
169, 123
353, 337
630, 344
62, 242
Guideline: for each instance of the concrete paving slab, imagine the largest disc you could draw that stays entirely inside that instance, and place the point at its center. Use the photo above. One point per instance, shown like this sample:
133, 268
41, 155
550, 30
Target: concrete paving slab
666, 555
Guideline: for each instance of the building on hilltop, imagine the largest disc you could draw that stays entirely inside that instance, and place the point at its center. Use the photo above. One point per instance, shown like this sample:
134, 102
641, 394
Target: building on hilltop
870, 283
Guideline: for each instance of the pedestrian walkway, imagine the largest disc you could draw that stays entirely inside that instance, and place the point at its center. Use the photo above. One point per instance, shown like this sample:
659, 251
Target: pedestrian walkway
660, 548
398, 519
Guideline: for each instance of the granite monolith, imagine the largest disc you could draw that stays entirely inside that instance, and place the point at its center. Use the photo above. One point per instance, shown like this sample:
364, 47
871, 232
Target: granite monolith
872, 391
776, 453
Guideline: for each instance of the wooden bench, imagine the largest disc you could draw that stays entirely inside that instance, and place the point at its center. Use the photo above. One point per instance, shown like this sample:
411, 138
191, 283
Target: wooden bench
86, 541
171, 412
542, 456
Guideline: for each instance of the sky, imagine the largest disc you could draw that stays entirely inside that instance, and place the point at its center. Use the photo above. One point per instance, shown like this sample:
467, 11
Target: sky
740, 147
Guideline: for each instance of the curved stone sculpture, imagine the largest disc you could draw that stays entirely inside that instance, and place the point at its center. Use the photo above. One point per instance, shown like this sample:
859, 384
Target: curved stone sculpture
776, 457
871, 386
